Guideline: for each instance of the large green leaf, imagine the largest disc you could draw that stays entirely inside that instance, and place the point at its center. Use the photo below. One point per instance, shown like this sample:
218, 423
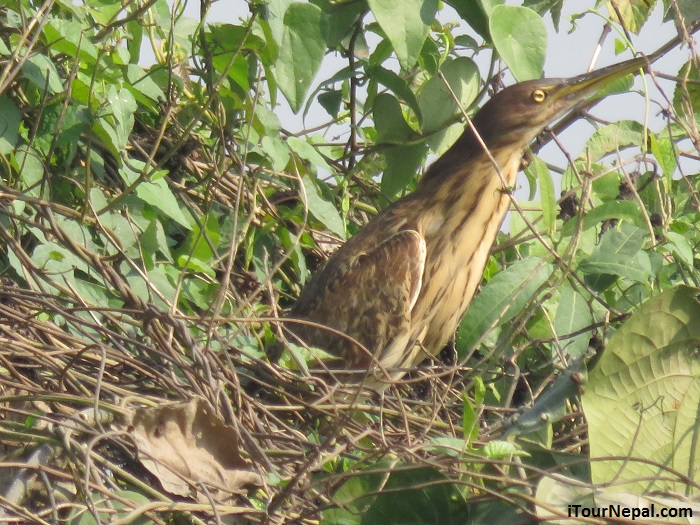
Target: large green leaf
539, 170
389, 121
503, 297
613, 137
573, 314
68, 36
406, 24
554, 8
42, 73
648, 383
155, 192
396, 84
117, 119
621, 210
520, 37
690, 9
632, 14
664, 149
637, 268
320, 208
10, 119
619, 254
301, 53
686, 97
475, 13
437, 105
273, 18
402, 158
30, 168
402, 163
341, 18
409, 495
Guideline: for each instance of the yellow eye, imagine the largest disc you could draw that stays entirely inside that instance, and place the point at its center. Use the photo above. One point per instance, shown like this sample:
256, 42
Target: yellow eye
539, 95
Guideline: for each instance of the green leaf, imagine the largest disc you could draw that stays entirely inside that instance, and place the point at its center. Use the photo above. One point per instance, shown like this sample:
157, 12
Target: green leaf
690, 10
42, 73
273, 14
161, 278
320, 208
475, 13
664, 150
341, 18
437, 105
103, 11
550, 405
123, 229
31, 169
143, 86
503, 297
637, 268
396, 84
622, 210
680, 246
619, 254
123, 107
330, 101
573, 314
402, 163
612, 138
117, 119
155, 192
276, 150
686, 97
498, 450
68, 37
230, 45
301, 53
135, 30
543, 6
560, 493
308, 152
634, 13
520, 37
626, 239
470, 412
56, 259
538, 169
406, 24
10, 119
389, 121
199, 250
449, 446
409, 495
648, 382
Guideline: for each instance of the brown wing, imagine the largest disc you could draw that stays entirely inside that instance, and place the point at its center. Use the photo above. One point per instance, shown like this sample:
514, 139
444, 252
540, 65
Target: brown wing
367, 296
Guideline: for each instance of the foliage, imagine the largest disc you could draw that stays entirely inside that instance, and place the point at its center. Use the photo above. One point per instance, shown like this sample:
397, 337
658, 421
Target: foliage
156, 218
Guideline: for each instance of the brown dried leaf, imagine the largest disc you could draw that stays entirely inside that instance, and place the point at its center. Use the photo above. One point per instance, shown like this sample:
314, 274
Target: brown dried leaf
186, 444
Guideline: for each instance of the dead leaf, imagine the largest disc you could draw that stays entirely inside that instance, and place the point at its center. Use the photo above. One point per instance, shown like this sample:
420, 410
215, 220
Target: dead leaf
186, 444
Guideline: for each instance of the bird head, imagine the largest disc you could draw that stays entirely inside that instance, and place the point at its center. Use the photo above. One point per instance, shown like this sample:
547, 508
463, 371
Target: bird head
516, 115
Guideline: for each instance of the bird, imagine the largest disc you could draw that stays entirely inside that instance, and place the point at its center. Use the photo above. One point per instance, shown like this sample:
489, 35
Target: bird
395, 292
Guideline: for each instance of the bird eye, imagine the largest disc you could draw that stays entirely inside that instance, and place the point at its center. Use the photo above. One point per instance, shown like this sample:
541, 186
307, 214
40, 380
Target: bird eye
539, 95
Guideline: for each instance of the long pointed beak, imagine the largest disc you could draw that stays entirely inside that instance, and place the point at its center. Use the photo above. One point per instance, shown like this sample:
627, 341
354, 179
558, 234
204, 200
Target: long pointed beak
585, 86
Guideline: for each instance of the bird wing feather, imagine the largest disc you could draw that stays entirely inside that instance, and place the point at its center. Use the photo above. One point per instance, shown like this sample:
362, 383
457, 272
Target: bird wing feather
368, 297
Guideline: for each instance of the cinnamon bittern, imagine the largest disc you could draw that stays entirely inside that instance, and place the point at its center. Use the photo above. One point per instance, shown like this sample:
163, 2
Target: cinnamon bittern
396, 291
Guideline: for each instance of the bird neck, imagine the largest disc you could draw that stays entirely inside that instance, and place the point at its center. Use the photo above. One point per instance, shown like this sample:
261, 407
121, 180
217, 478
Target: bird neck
460, 161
